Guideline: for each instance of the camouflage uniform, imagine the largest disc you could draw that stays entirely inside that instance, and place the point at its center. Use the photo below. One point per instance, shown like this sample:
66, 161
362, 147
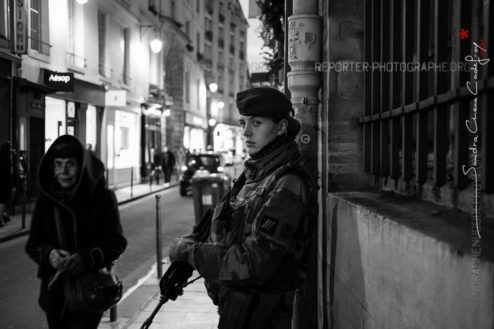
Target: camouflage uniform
252, 264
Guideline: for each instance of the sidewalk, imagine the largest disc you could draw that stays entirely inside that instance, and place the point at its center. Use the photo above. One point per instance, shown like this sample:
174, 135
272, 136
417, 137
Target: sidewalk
193, 310
14, 229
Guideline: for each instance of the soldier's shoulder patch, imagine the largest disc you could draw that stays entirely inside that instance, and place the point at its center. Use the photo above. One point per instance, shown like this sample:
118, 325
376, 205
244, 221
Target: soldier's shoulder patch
268, 225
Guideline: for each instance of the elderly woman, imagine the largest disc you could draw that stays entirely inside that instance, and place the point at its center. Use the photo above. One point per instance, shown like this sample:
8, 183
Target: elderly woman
87, 234
255, 257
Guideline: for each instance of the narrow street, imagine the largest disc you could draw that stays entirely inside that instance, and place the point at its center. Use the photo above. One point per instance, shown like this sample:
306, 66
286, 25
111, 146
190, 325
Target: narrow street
18, 282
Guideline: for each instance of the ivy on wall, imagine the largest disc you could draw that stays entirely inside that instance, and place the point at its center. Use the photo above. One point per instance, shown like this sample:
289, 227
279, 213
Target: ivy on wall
272, 19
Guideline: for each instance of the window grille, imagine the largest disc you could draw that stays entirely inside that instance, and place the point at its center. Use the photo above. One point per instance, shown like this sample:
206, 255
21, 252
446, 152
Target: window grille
414, 122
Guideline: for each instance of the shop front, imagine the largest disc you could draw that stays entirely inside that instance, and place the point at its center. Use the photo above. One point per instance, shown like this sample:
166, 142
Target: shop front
60, 104
152, 124
76, 108
195, 131
120, 133
29, 135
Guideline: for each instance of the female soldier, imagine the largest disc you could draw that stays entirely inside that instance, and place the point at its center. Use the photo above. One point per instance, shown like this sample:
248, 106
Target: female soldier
253, 261
72, 188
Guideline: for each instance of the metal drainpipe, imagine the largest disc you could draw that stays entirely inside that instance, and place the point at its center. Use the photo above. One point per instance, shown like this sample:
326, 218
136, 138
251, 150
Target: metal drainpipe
304, 50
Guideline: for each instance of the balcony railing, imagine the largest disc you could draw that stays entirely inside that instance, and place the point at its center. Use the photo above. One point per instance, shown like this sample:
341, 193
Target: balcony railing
76, 61
40, 46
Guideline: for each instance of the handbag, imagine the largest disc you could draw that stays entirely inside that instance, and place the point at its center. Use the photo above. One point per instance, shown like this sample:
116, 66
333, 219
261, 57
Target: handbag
95, 291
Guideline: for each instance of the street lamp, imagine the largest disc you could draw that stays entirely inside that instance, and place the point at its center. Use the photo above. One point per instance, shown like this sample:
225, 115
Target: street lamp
221, 105
213, 87
156, 45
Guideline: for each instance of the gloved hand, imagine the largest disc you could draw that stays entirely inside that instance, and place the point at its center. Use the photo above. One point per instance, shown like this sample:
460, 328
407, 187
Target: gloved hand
75, 264
180, 250
57, 257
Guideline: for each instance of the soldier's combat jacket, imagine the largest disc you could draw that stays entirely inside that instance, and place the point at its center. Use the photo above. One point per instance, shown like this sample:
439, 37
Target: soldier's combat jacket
258, 234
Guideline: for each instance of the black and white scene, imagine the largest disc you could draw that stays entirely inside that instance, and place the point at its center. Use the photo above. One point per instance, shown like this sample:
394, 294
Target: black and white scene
246, 164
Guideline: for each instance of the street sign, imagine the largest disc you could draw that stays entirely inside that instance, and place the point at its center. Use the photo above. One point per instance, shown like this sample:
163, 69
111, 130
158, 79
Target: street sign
20, 28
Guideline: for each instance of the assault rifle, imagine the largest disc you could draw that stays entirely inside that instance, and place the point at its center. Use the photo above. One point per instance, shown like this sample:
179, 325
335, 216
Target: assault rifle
175, 278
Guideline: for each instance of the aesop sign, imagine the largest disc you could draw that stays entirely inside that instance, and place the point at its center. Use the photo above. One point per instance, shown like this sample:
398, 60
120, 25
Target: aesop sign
60, 81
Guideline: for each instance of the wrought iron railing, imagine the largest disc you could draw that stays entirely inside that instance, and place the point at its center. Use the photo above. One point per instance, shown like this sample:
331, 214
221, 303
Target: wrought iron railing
76, 60
40, 46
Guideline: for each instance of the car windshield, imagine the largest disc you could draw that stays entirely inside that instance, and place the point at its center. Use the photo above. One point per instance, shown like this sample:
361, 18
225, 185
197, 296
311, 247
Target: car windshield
205, 161
209, 161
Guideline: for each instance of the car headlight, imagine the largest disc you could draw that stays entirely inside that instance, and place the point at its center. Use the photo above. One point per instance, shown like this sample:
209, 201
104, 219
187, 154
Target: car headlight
183, 168
220, 169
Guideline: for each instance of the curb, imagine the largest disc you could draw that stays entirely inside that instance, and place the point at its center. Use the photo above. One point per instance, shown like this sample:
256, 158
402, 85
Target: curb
23, 232
134, 198
15, 235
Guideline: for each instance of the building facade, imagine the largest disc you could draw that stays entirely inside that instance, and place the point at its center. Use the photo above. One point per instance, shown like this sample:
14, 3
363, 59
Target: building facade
225, 48
85, 68
205, 117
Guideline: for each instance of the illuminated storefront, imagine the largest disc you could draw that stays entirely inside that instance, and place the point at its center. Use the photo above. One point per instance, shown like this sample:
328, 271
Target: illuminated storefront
195, 133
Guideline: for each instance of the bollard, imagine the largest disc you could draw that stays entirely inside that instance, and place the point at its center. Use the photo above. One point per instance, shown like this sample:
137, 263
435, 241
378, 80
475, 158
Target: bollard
113, 313
24, 200
159, 257
131, 181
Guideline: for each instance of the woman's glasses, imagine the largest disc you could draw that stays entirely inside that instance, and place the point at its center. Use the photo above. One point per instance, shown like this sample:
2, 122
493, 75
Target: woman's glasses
62, 164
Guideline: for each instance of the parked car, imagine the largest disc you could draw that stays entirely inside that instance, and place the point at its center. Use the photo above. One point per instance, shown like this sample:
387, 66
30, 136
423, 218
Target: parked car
208, 162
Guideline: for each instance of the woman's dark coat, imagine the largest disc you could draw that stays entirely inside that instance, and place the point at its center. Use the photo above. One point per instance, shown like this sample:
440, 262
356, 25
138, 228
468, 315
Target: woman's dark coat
90, 221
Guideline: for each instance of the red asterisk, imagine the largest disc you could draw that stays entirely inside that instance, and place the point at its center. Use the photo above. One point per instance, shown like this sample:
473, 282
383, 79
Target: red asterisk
463, 33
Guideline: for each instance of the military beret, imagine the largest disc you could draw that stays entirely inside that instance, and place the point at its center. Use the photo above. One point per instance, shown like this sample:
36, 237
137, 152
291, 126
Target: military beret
263, 102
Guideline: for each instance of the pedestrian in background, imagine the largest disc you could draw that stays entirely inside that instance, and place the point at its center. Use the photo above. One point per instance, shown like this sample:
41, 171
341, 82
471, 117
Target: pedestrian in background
168, 163
72, 189
157, 165
257, 253
6, 185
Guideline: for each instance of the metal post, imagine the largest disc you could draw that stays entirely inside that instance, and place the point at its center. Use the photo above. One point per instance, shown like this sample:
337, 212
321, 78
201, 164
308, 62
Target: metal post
113, 313
107, 181
24, 200
159, 256
150, 180
131, 181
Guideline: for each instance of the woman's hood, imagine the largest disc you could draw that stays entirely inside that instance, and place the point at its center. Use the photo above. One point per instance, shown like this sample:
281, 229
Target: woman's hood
91, 175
